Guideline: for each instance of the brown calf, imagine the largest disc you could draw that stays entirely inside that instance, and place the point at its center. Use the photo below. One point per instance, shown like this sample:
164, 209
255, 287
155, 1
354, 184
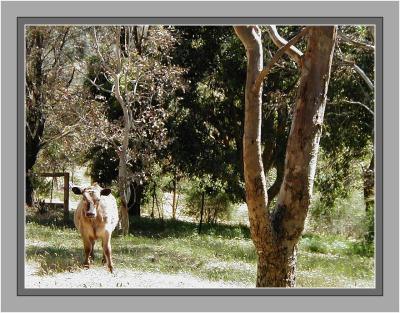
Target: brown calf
96, 217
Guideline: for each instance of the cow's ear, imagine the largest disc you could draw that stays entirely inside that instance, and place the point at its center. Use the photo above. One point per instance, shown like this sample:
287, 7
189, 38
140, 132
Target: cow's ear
77, 190
105, 191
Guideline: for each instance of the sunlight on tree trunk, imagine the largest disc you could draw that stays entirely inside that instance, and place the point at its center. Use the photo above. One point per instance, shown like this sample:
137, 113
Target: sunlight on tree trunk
276, 235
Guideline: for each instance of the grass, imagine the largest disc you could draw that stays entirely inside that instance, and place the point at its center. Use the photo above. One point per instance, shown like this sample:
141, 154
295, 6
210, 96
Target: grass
221, 252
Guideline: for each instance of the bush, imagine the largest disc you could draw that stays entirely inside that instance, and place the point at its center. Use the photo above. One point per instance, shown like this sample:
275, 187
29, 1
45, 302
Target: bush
347, 217
217, 204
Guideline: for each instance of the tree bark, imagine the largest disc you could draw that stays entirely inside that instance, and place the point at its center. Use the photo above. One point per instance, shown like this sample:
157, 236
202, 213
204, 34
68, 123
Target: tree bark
201, 211
255, 181
123, 185
369, 200
174, 202
302, 148
35, 119
134, 204
275, 235
123, 190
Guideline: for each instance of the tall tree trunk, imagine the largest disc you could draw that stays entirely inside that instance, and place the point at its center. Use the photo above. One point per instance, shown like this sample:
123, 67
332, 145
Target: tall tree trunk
255, 181
174, 203
123, 192
32, 151
369, 200
34, 110
135, 202
275, 235
303, 144
123, 184
201, 211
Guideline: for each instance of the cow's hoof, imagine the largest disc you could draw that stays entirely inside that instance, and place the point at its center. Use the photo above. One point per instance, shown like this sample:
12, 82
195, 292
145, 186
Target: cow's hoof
111, 269
86, 266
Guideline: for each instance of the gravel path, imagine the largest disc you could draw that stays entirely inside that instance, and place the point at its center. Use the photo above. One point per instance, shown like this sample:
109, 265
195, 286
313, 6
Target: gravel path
98, 277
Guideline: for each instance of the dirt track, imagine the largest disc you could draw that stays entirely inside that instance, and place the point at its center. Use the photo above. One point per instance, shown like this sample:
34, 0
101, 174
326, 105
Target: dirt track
98, 277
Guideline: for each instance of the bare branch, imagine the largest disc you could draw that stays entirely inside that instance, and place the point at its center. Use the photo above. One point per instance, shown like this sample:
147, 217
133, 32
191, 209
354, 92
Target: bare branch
363, 45
360, 72
67, 130
93, 82
361, 104
71, 79
277, 56
97, 46
364, 76
117, 91
118, 49
294, 53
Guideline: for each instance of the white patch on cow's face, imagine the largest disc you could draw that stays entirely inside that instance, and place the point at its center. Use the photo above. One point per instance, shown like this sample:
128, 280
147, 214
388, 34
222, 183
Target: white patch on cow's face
91, 198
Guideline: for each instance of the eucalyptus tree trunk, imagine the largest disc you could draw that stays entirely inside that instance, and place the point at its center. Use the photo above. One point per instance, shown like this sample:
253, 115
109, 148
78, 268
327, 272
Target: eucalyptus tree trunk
369, 200
135, 200
174, 200
275, 235
123, 190
35, 119
123, 184
201, 212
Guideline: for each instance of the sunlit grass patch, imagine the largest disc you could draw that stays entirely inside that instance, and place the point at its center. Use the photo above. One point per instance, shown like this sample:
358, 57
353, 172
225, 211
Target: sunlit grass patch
218, 254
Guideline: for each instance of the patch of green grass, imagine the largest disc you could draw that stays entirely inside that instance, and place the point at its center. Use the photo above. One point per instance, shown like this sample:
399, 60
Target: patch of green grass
321, 270
220, 253
335, 244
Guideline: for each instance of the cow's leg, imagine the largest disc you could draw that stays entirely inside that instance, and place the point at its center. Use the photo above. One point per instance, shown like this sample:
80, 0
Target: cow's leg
107, 250
104, 261
87, 245
92, 251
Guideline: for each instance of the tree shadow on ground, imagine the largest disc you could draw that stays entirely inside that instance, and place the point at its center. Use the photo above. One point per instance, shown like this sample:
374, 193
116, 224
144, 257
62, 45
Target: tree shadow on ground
150, 227
156, 228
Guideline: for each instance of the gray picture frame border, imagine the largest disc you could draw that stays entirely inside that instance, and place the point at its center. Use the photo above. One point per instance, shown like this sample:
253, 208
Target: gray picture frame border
25, 13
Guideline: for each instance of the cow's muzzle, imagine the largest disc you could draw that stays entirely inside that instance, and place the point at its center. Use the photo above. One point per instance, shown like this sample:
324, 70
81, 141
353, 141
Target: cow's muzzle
90, 215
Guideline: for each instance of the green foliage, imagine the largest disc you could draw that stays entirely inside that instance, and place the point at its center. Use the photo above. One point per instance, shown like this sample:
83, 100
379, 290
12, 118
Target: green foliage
206, 130
42, 186
336, 245
348, 130
217, 203
346, 217
103, 167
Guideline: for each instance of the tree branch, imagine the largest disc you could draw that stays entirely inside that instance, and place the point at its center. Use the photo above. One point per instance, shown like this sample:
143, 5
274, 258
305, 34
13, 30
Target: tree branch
97, 46
277, 56
363, 45
71, 79
117, 92
360, 72
361, 104
71, 128
93, 82
294, 53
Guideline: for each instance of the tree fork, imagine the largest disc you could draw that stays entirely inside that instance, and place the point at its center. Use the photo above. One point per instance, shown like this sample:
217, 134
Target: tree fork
275, 236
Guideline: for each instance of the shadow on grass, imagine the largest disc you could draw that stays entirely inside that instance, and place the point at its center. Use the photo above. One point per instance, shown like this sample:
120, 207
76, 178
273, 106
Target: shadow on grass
51, 218
55, 259
149, 227
155, 228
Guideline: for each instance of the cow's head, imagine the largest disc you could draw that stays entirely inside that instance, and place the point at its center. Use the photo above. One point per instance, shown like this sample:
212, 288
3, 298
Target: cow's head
91, 197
